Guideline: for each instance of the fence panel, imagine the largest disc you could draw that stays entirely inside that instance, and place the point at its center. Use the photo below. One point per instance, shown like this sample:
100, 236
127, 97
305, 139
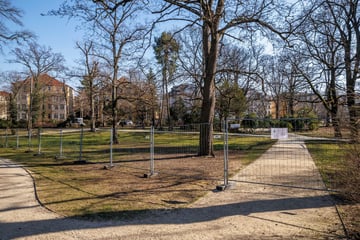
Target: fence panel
176, 154
133, 149
288, 162
295, 158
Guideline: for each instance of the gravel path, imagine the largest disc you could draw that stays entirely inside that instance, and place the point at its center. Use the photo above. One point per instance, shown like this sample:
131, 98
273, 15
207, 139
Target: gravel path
248, 209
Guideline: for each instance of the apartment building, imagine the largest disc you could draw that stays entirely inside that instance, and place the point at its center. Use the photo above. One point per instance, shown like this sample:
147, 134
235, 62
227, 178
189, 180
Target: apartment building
55, 99
4, 105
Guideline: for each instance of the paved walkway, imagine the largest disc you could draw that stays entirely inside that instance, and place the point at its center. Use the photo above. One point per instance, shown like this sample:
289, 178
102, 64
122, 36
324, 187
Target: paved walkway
287, 163
247, 210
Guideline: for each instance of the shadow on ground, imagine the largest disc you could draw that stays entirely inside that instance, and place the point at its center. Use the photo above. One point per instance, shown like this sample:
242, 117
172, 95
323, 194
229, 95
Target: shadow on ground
156, 217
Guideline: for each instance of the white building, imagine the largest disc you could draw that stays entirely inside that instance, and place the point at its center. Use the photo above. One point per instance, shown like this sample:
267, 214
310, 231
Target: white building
4, 105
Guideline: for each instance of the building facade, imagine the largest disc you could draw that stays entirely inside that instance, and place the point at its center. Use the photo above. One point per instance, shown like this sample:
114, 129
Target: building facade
55, 100
4, 105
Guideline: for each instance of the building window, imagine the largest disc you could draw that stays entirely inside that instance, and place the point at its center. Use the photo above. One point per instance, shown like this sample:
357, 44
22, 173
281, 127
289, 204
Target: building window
55, 116
23, 107
62, 107
62, 116
56, 107
49, 116
49, 106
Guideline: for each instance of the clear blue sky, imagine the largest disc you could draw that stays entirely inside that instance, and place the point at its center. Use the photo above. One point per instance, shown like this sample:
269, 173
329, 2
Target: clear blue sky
55, 32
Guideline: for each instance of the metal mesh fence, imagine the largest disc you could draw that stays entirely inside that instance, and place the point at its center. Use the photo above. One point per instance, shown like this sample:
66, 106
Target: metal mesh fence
303, 155
176, 154
287, 163
262, 153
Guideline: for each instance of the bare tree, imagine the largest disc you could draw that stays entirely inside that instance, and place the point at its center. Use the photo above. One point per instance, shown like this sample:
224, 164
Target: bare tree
113, 26
9, 13
141, 97
190, 58
218, 19
239, 65
90, 76
233, 63
274, 83
295, 85
36, 60
346, 19
330, 41
11, 80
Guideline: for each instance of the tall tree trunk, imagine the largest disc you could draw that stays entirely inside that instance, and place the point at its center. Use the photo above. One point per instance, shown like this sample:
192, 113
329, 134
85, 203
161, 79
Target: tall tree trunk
210, 54
207, 119
114, 105
334, 103
92, 112
351, 44
351, 78
354, 113
163, 102
29, 113
291, 105
277, 107
67, 105
167, 97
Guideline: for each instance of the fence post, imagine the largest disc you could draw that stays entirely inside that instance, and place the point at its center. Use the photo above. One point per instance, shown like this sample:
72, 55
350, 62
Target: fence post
61, 146
61, 143
29, 140
152, 150
152, 164
111, 146
226, 158
17, 138
39, 142
226, 154
6, 139
81, 143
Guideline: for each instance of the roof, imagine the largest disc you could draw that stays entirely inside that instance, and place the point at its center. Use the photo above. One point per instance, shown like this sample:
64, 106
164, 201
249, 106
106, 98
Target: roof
5, 94
47, 80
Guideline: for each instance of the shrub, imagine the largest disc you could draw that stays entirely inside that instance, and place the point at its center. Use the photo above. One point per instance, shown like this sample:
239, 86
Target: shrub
250, 121
22, 123
4, 123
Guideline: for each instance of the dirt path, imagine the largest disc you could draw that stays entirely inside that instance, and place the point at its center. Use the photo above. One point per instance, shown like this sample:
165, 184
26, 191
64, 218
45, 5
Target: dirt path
262, 207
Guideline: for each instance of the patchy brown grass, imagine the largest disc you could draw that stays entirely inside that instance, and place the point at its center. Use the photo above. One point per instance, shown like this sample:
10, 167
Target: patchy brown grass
350, 189
339, 165
91, 189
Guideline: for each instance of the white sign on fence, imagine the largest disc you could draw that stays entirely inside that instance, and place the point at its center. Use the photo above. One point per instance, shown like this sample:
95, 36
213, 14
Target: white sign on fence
234, 125
279, 133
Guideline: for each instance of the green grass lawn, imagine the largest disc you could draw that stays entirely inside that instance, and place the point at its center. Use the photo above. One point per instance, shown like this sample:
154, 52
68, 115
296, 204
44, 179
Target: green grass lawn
335, 161
328, 157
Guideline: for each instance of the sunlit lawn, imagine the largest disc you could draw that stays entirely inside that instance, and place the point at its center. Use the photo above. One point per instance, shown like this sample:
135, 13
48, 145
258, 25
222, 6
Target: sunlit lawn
95, 190
329, 157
